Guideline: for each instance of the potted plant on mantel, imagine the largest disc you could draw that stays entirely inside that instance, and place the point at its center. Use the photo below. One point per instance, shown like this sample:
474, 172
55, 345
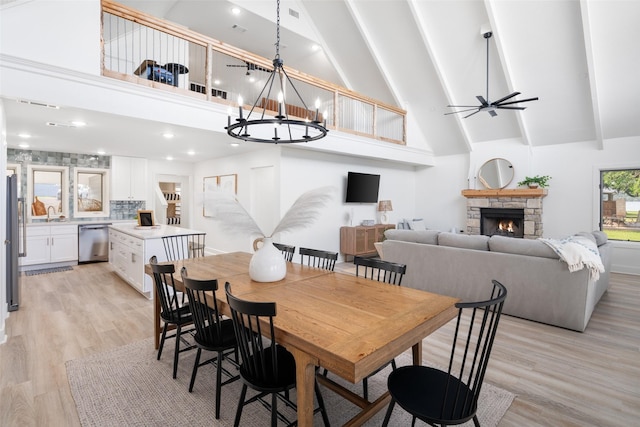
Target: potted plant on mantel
535, 181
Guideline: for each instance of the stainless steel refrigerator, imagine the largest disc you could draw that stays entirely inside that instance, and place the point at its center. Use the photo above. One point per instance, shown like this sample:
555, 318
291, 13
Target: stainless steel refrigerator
16, 240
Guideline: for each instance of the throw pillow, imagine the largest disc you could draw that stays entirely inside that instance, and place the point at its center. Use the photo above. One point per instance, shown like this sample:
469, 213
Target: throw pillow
417, 224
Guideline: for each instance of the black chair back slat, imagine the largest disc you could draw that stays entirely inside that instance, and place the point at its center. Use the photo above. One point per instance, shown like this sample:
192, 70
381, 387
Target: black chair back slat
287, 251
382, 271
318, 258
184, 246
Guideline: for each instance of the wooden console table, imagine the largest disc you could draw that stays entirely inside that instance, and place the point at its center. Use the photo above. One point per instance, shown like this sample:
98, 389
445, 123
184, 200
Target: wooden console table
359, 240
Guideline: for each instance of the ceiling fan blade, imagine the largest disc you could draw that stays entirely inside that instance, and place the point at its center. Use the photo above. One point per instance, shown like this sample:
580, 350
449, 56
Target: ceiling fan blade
505, 98
476, 112
482, 100
492, 113
461, 111
463, 106
510, 108
517, 101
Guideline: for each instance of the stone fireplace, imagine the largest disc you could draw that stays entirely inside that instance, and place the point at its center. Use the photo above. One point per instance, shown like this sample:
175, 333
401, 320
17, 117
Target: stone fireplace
512, 212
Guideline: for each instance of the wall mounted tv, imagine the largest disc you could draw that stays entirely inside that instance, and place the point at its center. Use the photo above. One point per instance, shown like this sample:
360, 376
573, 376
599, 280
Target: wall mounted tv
362, 188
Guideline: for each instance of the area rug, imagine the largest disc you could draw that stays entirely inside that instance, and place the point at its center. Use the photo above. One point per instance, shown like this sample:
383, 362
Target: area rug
47, 270
127, 386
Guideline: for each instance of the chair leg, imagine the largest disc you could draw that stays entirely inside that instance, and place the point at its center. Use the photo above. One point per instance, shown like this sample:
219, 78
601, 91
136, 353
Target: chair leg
162, 338
476, 422
176, 352
243, 394
323, 410
196, 365
274, 410
218, 384
365, 389
393, 364
388, 414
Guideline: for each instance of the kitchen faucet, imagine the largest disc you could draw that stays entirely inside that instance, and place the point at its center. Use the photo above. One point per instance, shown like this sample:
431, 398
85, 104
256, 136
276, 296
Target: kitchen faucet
49, 219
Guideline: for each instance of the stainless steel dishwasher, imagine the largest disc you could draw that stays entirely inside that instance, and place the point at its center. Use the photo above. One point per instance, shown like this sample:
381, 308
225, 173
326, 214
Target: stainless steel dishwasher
93, 242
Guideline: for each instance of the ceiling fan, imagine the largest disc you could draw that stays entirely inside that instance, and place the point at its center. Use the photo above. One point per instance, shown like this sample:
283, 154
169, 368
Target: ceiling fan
485, 105
250, 67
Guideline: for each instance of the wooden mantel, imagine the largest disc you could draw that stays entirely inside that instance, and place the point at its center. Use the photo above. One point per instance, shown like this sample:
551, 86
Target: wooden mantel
530, 193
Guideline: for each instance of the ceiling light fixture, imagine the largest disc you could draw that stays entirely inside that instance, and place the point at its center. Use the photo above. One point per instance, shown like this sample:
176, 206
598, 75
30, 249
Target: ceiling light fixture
265, 130
23, 145
168, 135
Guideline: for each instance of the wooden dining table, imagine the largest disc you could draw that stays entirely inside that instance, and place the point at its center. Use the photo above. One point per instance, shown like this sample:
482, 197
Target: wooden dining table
349, 325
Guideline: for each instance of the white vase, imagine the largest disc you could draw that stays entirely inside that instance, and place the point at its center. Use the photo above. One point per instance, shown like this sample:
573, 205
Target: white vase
267, 264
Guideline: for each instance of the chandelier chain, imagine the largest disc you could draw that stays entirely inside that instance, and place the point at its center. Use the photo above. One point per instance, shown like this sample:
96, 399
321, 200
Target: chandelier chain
278, 30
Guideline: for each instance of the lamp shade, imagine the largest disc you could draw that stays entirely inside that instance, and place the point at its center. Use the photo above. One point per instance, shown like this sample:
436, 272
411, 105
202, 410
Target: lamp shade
385, 206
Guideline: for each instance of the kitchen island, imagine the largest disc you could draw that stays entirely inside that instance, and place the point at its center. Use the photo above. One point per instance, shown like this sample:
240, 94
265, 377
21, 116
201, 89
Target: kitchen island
131, 246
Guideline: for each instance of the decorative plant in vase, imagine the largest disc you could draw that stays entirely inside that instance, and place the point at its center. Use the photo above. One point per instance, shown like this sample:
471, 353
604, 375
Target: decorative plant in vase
268, 264
535, 181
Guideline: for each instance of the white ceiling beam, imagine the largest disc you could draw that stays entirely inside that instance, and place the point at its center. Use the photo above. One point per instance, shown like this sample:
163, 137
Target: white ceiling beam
504, 62
325, 47
373, 50
446, 87
588, 46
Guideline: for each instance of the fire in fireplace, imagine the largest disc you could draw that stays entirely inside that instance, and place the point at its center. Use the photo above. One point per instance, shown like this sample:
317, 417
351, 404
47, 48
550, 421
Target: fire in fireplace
502, 222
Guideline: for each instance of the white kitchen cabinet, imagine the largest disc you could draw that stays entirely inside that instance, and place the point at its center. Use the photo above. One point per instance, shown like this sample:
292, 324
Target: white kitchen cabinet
128, 256
51, 244
128, 178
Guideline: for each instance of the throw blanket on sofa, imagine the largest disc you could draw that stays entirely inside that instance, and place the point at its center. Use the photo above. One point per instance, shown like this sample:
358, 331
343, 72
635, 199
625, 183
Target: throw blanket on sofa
578, 252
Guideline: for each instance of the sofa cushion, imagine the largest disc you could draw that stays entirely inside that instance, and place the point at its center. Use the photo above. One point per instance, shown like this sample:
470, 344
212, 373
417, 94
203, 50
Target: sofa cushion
528, 247
601, 237
587, 235
429, 237
477, 242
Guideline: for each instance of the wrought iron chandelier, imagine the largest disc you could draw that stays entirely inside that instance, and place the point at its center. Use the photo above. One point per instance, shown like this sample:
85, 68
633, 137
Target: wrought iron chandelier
265, 129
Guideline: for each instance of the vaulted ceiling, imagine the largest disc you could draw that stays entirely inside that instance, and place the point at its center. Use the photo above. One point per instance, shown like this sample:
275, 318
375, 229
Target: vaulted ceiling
580, 57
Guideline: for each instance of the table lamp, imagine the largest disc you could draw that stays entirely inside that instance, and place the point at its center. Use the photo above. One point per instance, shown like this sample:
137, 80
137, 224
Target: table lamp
384, 206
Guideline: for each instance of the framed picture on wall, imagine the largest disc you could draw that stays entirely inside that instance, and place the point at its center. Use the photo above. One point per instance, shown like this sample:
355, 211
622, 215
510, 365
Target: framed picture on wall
228, 183
209, 186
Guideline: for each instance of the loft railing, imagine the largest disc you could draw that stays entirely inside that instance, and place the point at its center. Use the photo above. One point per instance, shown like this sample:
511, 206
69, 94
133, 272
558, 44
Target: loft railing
149, 51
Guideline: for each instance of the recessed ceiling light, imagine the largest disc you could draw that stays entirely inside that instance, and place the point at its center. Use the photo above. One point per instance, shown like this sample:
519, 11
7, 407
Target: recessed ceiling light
191, 153
101, 152
78, 123
315, 47
234, 144
168, 135
216, 82
169, 158
252, 79
235, 10
24, 135
23, 145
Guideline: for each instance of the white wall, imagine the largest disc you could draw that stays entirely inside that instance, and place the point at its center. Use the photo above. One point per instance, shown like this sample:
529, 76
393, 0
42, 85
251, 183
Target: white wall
37, 30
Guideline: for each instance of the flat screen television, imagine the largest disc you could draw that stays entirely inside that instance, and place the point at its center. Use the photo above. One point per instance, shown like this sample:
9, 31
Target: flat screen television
362, 188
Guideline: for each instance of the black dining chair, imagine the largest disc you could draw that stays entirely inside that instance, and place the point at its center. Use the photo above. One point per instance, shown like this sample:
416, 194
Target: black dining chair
267, 368
381, 271
450, 397
287, 250
318, 258
184, 246
212, 332
172, 310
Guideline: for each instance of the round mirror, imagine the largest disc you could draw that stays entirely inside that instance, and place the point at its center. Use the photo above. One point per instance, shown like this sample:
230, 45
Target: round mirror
496, 173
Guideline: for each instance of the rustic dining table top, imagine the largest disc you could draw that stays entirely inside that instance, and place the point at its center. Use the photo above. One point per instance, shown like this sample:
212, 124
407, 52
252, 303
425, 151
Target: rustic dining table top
349, 325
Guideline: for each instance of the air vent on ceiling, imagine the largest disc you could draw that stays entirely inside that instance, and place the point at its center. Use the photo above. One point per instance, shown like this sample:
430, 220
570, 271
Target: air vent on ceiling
37, 104
294, 13
238, 28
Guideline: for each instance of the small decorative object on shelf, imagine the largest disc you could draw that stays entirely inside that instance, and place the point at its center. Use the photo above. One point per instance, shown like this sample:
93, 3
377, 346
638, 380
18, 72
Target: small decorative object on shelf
535, 181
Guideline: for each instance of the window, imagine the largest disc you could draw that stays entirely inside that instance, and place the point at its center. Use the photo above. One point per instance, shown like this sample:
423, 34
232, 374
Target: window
620, 204
48, 191
90, 193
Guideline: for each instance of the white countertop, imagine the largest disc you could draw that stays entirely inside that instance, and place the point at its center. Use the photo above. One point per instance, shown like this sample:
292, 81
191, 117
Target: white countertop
154, 232
78, 222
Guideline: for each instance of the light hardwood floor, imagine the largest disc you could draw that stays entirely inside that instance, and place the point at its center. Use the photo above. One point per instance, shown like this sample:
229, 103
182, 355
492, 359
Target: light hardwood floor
561, 377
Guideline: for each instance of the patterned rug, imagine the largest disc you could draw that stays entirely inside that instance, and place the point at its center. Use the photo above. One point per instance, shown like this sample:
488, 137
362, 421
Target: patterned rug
47, 270
127, 386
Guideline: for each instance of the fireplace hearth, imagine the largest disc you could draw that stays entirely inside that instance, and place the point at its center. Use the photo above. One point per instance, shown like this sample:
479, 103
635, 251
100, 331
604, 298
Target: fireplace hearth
502, 222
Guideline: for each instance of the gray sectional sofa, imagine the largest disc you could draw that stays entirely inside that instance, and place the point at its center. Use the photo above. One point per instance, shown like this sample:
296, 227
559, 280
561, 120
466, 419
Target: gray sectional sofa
540, 286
